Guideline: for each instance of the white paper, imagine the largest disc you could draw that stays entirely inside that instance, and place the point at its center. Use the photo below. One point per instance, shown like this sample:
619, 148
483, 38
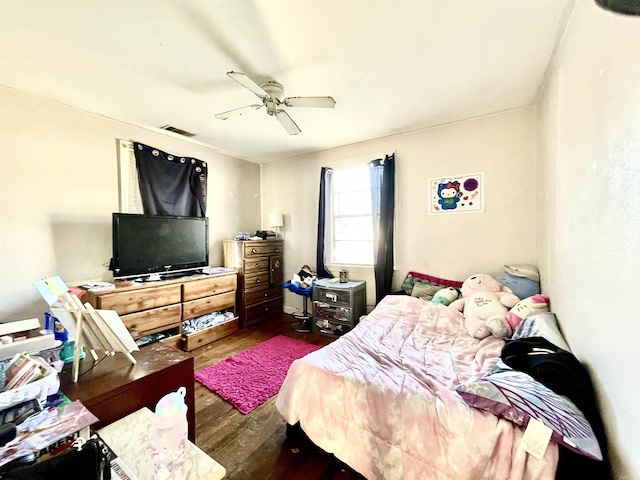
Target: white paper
536, 438
51, 288
19, 326
112, 319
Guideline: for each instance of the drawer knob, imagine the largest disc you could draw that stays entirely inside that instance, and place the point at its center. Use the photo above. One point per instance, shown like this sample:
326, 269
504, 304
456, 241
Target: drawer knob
277, 251
257, 264
253, 250
266, 294
257, 280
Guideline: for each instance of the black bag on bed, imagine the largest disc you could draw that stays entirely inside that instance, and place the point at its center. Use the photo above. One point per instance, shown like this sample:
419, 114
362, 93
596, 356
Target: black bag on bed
563, 373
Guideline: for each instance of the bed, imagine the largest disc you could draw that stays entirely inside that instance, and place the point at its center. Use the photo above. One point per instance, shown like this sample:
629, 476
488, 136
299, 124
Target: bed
382, 399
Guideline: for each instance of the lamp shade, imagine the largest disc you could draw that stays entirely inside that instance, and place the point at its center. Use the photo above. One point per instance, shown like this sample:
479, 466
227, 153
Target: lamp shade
275, 220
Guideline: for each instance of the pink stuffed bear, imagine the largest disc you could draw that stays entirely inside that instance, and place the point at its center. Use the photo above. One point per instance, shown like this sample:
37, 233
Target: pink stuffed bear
485, 306
528, 306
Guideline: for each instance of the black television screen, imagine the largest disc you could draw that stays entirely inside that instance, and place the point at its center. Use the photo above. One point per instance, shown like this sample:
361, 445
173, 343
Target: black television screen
152, 244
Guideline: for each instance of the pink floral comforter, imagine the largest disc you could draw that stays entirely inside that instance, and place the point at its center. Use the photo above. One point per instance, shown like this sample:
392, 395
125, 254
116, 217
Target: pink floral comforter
381, 399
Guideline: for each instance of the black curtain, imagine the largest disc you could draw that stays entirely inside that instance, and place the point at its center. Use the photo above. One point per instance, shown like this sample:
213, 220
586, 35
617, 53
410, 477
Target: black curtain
382, 174
323, 219
170, 184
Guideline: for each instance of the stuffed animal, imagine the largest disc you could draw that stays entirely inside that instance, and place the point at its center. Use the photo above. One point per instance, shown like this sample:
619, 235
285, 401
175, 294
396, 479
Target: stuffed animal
522, 280
304, 277
445, 296
534, 304
485, 306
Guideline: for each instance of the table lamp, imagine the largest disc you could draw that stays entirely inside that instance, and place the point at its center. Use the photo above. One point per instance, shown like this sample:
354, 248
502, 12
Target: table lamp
276, 221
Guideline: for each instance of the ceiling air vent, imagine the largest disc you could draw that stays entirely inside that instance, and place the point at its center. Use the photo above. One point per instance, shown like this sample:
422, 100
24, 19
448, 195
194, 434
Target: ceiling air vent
169, 128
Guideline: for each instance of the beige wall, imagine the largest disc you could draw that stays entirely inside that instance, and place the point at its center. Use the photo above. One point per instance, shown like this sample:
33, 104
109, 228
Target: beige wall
59, 186
503, 146
589, 211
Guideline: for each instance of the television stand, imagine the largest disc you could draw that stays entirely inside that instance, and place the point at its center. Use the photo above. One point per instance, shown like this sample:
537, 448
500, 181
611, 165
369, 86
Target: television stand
151, 307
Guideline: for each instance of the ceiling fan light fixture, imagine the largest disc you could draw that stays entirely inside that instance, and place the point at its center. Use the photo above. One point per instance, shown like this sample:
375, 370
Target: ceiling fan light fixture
272, 95
273, 89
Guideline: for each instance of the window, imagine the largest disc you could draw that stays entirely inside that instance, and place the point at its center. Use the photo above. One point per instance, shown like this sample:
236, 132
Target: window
129, 192
351, 229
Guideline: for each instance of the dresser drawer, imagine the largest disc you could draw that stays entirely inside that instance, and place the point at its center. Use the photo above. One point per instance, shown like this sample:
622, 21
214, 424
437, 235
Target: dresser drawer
260, 295
334, 313
207, 287
332, 296
154, 320
256, 280
191, 341
263, 311
136, 300
327, 327
257, 249
256, 265
201, 306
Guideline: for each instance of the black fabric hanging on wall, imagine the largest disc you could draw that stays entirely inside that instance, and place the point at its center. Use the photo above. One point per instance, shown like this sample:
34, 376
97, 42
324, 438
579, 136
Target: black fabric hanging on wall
382, 175
323, 220
170, 184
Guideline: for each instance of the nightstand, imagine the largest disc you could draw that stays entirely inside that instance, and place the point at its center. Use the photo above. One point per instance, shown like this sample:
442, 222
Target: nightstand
337, 307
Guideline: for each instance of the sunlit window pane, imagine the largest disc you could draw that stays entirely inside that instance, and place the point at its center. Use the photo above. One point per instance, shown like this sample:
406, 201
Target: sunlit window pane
347, 252
353, 203
356, 178
351, 228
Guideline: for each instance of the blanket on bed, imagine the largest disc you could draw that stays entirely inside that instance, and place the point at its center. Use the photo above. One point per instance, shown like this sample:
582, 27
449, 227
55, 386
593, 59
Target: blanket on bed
381, 399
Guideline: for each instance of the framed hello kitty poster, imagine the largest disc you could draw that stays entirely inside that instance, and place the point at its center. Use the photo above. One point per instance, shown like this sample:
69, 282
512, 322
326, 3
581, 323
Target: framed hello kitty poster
457, 194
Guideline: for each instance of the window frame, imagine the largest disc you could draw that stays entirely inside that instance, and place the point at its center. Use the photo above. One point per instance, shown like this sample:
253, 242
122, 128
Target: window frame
129, 199
331, 261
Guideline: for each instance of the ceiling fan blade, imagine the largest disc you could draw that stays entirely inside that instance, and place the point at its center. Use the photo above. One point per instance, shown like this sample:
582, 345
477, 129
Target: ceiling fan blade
287, 122
237, 111
247, 83
318, 102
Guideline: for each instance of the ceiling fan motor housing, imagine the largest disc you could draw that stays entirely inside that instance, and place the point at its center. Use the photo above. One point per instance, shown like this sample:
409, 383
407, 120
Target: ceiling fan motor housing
274, 89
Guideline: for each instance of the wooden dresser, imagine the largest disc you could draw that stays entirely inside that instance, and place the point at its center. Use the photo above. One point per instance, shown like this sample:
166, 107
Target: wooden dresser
147, 308
260, 277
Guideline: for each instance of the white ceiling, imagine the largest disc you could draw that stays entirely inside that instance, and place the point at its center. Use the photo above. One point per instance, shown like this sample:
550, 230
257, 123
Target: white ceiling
392, 66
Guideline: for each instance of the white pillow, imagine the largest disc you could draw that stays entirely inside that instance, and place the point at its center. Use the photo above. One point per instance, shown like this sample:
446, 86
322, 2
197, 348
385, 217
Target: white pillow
543, 324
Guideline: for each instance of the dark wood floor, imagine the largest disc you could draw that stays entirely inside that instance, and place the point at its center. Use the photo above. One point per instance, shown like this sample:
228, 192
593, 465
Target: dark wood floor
254, 446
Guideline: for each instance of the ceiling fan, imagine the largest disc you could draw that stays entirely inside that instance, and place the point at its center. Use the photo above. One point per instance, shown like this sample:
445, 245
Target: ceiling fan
272, 95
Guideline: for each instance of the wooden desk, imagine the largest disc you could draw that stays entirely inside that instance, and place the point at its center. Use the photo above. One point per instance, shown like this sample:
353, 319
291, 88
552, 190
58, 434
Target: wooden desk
130, 439
115, 387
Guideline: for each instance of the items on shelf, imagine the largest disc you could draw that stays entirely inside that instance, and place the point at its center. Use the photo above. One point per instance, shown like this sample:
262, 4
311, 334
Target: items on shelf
24, 336
98, 286
47, 430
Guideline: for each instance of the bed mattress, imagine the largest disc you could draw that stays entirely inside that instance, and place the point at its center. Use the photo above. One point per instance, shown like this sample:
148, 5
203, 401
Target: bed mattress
381, 399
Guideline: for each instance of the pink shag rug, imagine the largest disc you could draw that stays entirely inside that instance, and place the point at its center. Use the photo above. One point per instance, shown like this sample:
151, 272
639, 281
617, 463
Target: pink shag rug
250, 378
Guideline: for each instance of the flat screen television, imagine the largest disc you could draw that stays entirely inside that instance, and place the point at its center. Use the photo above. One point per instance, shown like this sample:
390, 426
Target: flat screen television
145, 245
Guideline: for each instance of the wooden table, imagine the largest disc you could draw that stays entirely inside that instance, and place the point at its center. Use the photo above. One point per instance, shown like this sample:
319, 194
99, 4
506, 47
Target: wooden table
115, 387
130, 440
